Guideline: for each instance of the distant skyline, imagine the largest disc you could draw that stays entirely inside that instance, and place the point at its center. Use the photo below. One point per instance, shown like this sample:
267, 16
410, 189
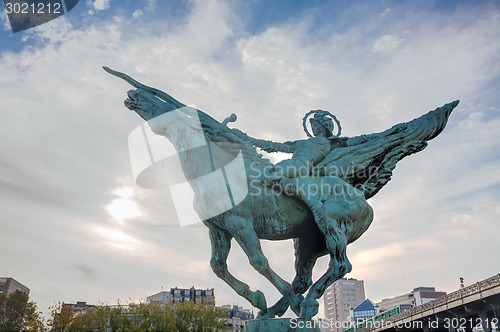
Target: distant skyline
75, 227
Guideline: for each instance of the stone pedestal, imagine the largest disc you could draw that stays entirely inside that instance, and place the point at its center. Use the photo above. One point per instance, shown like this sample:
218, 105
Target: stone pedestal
282, 325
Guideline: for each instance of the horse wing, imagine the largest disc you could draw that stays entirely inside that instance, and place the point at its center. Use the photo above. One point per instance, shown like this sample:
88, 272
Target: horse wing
367, 161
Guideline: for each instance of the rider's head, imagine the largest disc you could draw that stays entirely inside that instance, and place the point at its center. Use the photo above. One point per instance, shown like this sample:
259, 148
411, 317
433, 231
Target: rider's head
321, 125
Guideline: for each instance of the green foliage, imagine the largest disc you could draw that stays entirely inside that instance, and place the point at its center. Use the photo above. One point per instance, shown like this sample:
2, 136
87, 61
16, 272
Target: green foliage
181, 317
62, 316
17, 313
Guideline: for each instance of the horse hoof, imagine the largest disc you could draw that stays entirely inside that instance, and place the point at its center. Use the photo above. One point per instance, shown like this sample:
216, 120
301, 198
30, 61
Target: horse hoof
264, 315
258, 300
308, 309
296, 303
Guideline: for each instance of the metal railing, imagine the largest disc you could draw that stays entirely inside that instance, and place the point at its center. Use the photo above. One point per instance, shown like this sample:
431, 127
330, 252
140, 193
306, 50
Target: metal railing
443, 300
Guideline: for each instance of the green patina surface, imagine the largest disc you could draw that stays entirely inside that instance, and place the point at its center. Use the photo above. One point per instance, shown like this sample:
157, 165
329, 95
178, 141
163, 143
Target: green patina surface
281, 202
282, 324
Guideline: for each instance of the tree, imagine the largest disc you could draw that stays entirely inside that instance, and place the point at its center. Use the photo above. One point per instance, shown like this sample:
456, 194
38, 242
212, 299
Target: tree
181, 317
197, 317
17, 313
62, 316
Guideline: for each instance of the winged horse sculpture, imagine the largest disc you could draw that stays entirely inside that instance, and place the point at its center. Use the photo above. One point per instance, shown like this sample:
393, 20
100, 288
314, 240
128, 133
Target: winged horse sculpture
317, 198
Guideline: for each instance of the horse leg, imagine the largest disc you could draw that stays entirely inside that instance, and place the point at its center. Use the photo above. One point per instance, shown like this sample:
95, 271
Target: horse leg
278, 309
307, 251
347, 213
338, 267
221, 244
247, 238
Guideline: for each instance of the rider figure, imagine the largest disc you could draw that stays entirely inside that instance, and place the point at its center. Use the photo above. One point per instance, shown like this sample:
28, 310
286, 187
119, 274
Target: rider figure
306, 153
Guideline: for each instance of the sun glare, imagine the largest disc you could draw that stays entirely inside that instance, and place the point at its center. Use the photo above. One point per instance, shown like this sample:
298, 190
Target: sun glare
114, 235
118, 239
124, 192
123, 207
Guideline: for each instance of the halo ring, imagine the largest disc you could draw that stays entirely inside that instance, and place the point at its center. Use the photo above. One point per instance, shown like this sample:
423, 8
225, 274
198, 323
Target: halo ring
304, 122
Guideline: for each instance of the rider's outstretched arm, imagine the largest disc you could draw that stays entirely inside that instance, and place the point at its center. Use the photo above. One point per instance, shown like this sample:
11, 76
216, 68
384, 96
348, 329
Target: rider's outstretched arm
266, 145
270, 146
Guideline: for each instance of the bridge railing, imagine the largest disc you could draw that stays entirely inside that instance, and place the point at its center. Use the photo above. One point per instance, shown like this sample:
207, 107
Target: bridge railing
443, 300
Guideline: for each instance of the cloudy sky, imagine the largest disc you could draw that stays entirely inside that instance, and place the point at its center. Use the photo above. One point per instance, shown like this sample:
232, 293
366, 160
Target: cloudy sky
75, 227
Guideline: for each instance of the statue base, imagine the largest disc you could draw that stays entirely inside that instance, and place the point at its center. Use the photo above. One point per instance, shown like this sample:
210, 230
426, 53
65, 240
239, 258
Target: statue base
282, 325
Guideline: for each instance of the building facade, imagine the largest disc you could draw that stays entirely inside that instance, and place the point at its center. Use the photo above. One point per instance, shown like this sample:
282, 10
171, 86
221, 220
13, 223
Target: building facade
422, 295
338, 298
66, 314
10, 285
416, 297
365, 310
236, 317
77, 307
162, 297
176, 295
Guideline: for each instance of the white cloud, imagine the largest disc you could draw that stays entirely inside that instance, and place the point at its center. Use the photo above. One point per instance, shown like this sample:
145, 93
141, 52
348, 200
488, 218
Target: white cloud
101, 4
4, 19
52, 32
385, 13
387, 43
98, 5
151, 4
137, 13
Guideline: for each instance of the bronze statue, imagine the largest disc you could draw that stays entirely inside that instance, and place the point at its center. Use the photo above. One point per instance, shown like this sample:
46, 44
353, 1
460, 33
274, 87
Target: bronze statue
317, 198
